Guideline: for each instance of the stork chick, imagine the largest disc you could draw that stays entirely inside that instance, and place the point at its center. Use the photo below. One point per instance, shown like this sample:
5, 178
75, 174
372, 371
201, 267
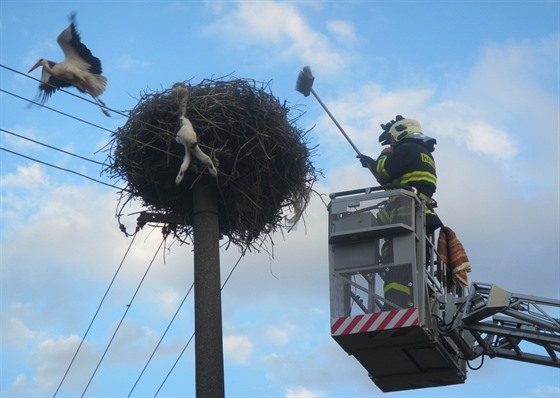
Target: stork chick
79, 69
187, 136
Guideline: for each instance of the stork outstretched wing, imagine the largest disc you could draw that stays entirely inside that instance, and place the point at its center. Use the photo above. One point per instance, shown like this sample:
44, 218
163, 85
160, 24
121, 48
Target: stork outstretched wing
71, 44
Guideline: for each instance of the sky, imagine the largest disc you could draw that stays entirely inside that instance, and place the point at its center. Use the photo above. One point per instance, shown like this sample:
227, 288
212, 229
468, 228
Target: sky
482, 77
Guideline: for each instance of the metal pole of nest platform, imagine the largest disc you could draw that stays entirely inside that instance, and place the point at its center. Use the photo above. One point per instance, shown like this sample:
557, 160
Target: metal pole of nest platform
209, 361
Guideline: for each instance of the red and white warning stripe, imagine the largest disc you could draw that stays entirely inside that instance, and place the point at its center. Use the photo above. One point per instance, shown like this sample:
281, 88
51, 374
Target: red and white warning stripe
394, 319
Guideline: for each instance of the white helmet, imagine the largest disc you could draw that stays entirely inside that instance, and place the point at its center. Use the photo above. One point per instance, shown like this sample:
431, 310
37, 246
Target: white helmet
405, 128
410, 129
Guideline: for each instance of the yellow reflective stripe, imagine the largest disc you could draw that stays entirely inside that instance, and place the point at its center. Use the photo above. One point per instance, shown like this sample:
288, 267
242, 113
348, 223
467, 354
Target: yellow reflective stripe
428, 200
398, 287
384, 216
418, 176
428, 159
380, 168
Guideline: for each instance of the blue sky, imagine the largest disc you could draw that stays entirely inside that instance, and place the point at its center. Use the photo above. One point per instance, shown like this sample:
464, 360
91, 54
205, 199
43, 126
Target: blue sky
481, 76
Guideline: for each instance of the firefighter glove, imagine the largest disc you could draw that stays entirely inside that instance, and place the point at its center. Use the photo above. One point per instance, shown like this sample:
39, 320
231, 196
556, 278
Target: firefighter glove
366, 161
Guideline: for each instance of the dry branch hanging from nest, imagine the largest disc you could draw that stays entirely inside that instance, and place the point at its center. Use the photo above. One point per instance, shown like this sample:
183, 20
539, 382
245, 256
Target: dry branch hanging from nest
262, 157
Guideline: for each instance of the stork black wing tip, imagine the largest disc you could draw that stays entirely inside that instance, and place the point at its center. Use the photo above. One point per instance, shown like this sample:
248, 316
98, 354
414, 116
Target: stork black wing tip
72, 17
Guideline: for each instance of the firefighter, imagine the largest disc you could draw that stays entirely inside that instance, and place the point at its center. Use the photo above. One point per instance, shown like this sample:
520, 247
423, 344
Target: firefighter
408, 161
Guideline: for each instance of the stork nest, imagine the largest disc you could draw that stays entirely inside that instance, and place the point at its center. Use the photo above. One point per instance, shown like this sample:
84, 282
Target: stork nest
262, 157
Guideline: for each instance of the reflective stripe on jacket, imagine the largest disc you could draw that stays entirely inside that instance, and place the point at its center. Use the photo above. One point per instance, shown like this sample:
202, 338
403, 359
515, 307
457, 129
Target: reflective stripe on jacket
411, 163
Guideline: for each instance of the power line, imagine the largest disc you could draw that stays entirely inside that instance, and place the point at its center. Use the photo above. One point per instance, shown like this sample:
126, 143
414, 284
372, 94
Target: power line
62, 168
192, 336
160, 340
96, 312
174, 364
124, 315
89, 123
234, 267
50, 146
55, 110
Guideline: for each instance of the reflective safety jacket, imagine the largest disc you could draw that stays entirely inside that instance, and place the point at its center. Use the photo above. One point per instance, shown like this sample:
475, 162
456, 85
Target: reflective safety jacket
411, 163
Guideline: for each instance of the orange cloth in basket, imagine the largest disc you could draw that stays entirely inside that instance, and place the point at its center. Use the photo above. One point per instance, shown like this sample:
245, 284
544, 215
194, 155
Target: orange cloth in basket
452, 253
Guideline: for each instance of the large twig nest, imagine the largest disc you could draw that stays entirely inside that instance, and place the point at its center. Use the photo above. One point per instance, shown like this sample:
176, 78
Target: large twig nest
262, 157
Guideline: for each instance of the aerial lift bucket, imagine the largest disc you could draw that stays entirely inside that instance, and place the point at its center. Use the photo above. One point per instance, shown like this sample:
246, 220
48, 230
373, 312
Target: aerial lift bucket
397, 342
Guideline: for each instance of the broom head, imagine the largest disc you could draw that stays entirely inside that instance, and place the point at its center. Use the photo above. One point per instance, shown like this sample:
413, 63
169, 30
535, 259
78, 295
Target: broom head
305, 80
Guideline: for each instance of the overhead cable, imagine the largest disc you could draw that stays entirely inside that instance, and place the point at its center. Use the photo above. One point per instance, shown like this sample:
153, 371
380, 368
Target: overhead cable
122, 318
50, 146
95, 315
61, 168
192, 336
160, 340
93, 124
55, 110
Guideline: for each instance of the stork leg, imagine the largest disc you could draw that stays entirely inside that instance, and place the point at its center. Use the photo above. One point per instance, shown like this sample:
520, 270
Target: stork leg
184, 166
204, 159
101, 105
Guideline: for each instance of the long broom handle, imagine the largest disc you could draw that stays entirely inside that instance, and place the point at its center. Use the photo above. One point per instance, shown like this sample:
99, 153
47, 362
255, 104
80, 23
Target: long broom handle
334, 120
343, 132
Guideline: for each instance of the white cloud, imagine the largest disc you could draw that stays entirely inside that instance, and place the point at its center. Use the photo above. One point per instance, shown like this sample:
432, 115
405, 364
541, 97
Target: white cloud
282, 26
20, 143
127, 63
50, 359
546, 391
301, 392
516, 76
511, 89
49, 356
19, 192
491, 141
14, 331
26, 177
134, 341
280, 334
168, 301
315, 368
343, 30
18, 386
237, 348
465, 125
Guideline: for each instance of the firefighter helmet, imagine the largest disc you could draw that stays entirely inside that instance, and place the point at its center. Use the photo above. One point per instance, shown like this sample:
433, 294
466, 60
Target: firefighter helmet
410, 129
405, 128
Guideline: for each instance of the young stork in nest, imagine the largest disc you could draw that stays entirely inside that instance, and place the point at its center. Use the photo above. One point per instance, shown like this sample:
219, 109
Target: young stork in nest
187, 136
79, 69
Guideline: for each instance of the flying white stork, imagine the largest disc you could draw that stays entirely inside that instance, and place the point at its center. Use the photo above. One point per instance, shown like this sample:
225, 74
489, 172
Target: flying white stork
79, 69
187, 136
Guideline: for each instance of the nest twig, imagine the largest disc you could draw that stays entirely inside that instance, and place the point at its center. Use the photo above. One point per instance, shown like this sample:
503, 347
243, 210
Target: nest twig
263, 158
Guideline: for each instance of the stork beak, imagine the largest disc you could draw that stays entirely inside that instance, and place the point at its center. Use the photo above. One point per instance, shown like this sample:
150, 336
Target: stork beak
35, 66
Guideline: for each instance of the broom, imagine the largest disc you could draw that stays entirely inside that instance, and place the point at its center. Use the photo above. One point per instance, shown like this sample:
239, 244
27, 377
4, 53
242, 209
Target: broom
304, 85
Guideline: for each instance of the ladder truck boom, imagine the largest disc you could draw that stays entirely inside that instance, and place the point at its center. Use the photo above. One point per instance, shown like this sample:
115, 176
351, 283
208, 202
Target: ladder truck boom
427, 339
513, 326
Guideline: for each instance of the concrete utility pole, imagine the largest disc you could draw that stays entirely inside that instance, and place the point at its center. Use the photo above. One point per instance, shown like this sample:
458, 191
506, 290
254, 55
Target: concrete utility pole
209, 361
